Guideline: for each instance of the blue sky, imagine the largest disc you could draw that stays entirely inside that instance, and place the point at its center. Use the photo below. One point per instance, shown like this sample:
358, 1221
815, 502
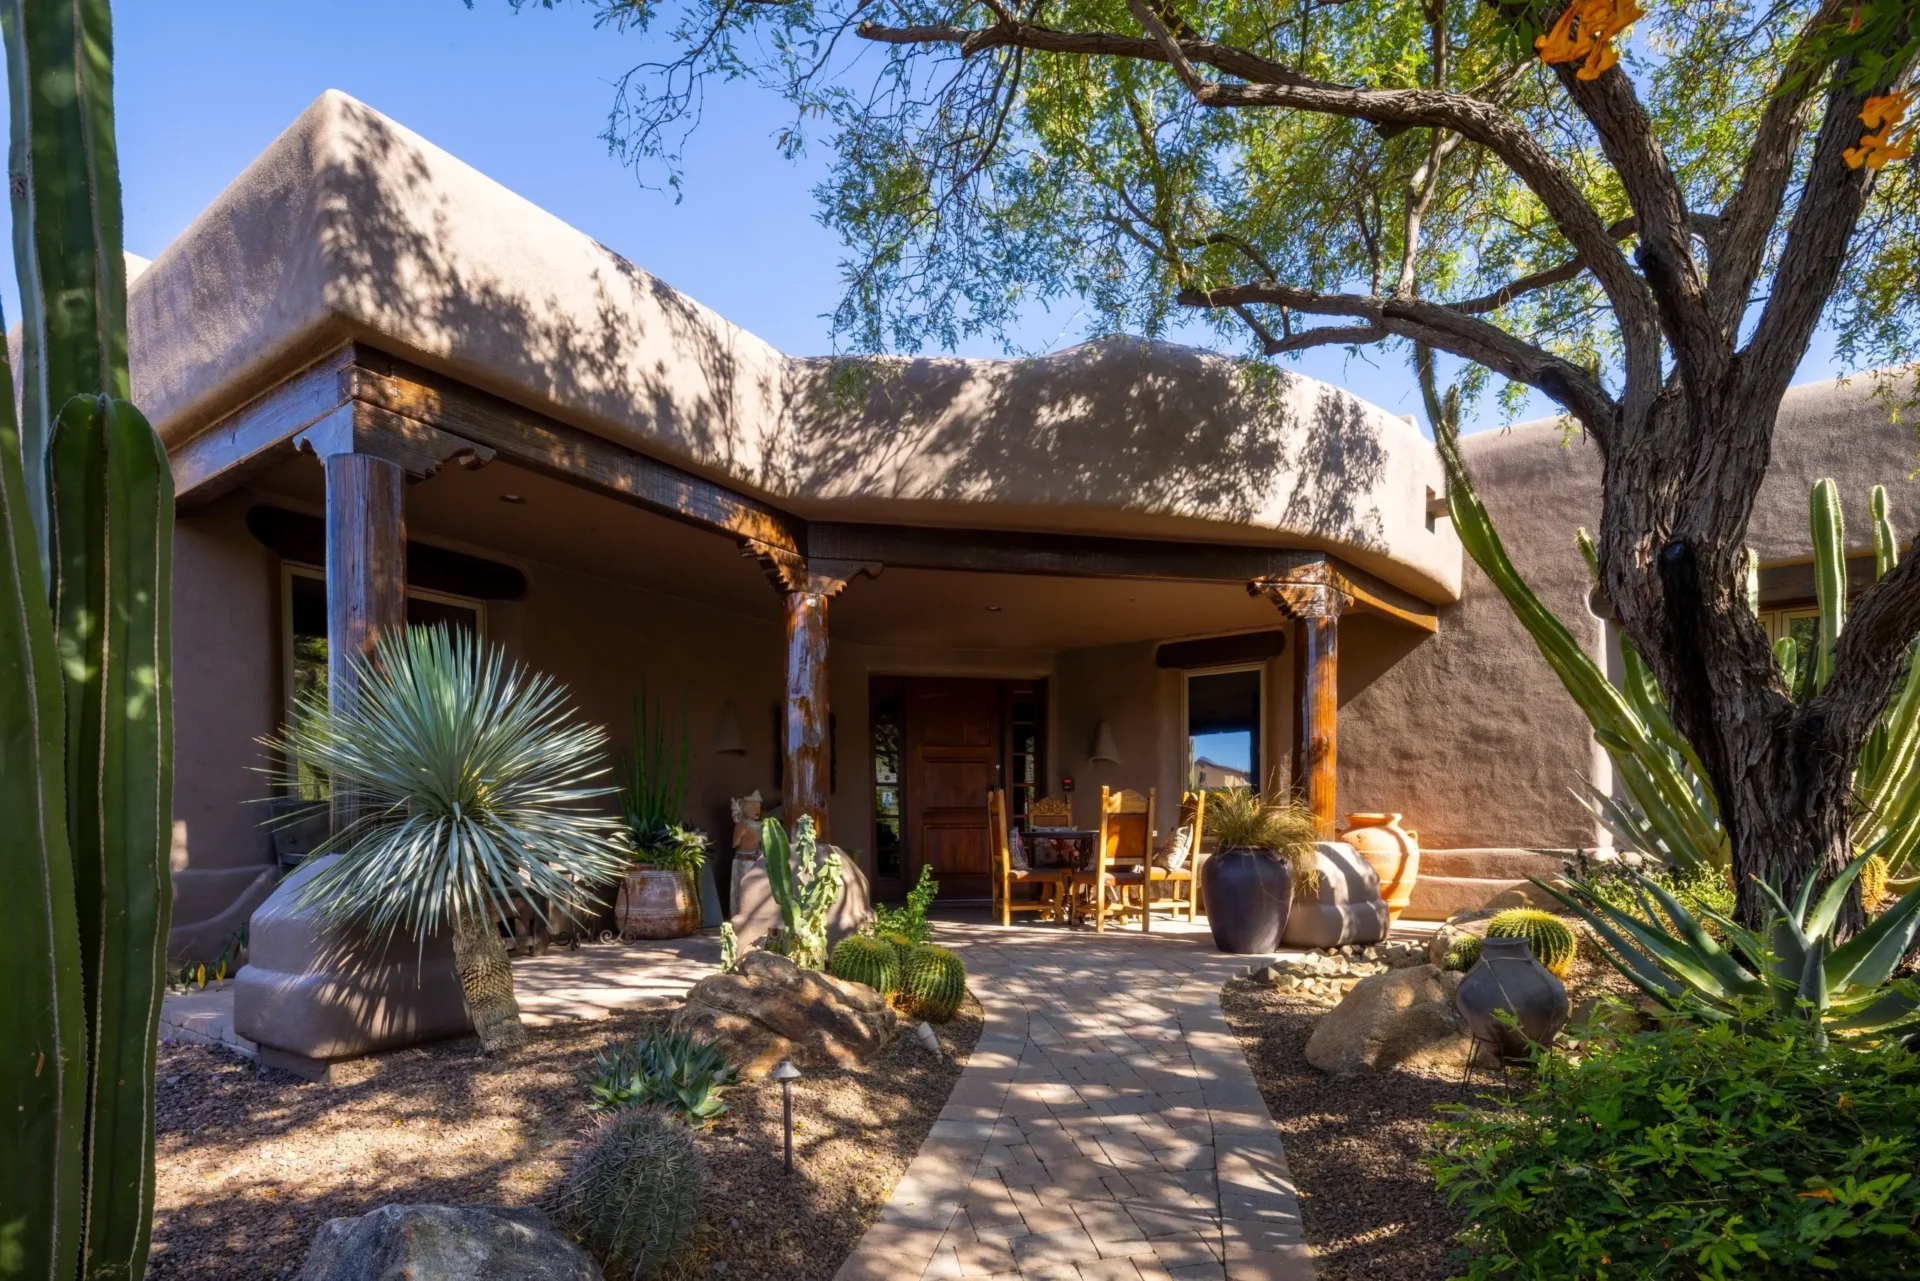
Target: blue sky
203, 87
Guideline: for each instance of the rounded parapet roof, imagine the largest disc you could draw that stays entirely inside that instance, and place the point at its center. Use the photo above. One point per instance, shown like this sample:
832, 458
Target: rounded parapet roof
352, 228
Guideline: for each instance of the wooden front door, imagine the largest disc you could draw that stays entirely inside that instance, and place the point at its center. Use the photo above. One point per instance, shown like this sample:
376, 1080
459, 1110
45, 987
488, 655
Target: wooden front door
953, 756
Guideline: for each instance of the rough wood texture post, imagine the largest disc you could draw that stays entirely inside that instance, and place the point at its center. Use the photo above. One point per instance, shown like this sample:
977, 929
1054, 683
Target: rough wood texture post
366, 570
1314, 596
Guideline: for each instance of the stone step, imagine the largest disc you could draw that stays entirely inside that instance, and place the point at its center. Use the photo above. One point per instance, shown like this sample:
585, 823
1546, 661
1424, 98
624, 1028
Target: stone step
1492, 864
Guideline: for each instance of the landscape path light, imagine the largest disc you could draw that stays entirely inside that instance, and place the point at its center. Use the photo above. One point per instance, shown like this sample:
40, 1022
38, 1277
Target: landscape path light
786, 1073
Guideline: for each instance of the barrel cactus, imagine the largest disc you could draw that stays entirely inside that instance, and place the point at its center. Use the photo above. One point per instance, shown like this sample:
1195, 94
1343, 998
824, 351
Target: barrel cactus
1463, 953
864, 959
633, 1197
901, 943
1550, 937
933, 983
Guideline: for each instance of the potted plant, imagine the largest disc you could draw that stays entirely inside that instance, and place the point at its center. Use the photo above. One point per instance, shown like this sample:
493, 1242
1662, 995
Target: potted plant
1263, 851
660, 896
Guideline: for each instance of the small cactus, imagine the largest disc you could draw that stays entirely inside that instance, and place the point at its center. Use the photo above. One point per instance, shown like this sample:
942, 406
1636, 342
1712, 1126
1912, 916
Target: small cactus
861, 958
633, 1196
1550, 937
1873, 882
933, 983
901, 943
1463, 953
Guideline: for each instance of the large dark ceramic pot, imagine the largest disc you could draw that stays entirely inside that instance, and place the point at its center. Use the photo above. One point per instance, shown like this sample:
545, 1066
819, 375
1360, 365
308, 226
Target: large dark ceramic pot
1508, 978
1249, 892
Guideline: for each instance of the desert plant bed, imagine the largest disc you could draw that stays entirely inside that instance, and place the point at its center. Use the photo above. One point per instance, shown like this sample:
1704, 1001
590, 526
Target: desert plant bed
251, 1161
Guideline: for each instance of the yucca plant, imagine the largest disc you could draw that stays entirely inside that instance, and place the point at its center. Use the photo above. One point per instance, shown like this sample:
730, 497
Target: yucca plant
1239, 815
1797, 968
474, 787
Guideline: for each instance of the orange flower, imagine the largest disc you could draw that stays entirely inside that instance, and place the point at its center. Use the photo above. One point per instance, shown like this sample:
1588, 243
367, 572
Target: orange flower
1818, 1194
1585, 34
1878, 147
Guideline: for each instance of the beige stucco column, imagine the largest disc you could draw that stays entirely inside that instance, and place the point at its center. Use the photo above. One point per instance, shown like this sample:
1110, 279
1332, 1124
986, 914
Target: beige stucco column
1313, 598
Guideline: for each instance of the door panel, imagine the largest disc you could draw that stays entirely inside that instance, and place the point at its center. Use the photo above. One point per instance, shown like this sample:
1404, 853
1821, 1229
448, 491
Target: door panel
953, 757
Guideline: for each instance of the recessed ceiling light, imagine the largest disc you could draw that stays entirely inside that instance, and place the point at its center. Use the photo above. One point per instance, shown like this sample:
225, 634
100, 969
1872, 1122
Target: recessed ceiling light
513, 498
993, 609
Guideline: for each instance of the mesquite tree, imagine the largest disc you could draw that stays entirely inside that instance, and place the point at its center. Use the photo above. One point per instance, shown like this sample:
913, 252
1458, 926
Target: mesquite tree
1645, 217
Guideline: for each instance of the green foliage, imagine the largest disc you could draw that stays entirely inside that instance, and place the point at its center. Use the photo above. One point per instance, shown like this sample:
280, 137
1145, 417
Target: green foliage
653, 790
1797, 967
1238, 815
632, 1197
473, 782
909, 925
670, 1071
933, 983
1463, 953
1873, 882
805, 882
1552, 943
1688, 1152
1706, 892
863, 958
729, 947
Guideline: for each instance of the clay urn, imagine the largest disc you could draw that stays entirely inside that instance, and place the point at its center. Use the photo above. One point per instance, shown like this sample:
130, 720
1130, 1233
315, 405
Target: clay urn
1508, 980
655, 903
1392, 852
1249, 893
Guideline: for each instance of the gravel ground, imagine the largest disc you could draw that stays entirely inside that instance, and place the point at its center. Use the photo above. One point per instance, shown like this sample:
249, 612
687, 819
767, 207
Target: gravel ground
252, 1161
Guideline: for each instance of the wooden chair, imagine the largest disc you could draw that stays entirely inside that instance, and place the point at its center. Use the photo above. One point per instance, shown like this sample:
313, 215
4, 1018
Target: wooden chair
1126, 836
1183, 886
1050, 811
1052, 881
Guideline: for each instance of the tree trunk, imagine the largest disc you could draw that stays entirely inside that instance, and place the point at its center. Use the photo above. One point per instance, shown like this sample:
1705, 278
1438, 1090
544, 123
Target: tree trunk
486, 981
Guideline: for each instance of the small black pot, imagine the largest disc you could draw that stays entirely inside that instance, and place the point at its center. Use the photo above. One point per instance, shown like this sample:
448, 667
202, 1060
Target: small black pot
1508, 978
1249, 892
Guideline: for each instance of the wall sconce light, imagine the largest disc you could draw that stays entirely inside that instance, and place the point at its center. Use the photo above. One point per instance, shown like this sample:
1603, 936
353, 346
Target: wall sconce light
1104, 748
727, 738
786, 1073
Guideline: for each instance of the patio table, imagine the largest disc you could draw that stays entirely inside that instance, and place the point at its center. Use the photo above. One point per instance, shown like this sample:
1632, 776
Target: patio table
1063, 835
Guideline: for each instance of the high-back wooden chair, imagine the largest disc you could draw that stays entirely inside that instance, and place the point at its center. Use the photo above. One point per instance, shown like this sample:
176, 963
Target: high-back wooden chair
1117, 882
1052, 881
1182, 886
1050, 811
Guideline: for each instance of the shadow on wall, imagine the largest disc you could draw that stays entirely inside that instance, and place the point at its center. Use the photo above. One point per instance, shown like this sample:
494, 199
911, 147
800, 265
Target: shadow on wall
1116, 423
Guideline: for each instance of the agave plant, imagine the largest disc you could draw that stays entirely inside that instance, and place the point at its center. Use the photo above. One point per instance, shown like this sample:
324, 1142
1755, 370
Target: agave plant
671, 1071
473, 788
1798, 969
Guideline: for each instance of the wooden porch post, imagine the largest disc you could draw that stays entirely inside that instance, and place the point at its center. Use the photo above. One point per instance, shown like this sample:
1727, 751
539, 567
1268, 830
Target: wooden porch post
806, 586
1314, 598
366, 573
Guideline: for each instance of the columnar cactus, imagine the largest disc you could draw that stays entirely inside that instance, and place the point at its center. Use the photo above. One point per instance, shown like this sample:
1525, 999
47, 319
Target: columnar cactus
861, 958
933, 983
86, 523
633, 1197
805, 882
1550, 937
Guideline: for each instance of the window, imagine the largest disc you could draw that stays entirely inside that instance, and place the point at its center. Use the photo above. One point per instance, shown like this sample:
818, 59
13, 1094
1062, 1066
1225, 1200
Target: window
1801, 622
304, 646
1025, 705
888, 785
1223, 728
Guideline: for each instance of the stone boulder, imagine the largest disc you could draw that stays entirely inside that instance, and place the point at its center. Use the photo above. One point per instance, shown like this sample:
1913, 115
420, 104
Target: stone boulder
1403, 1018
770, 1009
445, 1243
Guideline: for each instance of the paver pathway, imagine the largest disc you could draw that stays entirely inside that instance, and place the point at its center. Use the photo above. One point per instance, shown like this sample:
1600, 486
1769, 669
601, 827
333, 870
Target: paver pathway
1106, 1128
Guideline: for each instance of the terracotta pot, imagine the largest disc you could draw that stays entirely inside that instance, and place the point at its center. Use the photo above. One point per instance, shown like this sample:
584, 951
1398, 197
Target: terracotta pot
657, 904
1392, 852
1508, 978
1249, 893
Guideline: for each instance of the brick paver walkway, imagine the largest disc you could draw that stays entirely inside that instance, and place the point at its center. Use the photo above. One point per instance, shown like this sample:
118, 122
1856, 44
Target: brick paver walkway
1106, 1128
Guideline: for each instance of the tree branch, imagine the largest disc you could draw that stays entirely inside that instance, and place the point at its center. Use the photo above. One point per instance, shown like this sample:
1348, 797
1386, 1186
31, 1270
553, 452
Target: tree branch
1868, 660
1444, 328
1705, 226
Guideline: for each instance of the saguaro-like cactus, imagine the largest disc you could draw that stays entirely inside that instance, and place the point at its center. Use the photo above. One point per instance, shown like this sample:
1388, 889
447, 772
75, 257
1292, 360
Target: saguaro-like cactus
805, 882
86, 522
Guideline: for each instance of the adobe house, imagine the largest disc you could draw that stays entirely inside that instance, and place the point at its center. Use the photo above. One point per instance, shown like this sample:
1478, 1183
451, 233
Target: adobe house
394, 391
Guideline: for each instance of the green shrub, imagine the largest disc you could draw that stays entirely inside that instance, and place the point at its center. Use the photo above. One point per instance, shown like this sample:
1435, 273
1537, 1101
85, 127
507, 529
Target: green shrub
933, 983
1706, 892
862, 958
670, 1072
633, 1196
909, 922
1550, 938
1238, 815
1695, 1151
1463, 953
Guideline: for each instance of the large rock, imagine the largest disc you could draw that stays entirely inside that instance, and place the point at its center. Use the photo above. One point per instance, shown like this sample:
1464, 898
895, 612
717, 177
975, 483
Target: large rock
1403, 1018
445, 1243
755, 912
770, 1009
1346, 908
315, 992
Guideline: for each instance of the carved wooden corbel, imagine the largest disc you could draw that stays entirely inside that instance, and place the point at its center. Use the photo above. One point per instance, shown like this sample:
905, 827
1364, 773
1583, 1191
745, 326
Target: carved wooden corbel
791, 572
415, 447
1309, 591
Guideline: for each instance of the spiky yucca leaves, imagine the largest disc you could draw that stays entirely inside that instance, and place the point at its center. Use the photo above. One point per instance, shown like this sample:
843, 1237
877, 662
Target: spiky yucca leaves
474, 785
633, 1196
862, 958
933, 983
1552, 941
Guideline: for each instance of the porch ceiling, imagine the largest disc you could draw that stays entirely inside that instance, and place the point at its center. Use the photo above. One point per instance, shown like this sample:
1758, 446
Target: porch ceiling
561, 525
